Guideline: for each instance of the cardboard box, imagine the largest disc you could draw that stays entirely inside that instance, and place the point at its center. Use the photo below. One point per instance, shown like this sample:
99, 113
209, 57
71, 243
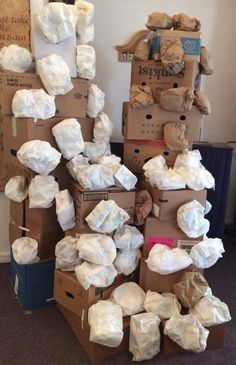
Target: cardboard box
71, 105
148, 123
33, 283
69, 293
151, 280
17, 131
153, 74
191, 42
166, 203
138, 152
86, 200
166, 232
96, 353
215, 340
36, 223
15, 23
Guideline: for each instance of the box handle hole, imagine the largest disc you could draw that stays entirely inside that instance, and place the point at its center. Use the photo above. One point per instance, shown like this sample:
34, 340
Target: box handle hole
149, 116
182, 117
136, 151
13, 152
166, 153
68, 294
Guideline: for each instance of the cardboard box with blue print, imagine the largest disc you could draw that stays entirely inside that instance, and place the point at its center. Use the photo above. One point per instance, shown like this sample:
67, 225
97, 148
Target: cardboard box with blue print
153, 74
86, 200
147, 123
191, 42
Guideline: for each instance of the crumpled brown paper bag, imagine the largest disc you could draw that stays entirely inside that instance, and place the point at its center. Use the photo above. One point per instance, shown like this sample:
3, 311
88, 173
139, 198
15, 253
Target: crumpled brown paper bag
143, 206
142, 51
202, 102
174, 136
179, 99
159, 21
191, 288
140, 96
184, 22
172, 56
206, 66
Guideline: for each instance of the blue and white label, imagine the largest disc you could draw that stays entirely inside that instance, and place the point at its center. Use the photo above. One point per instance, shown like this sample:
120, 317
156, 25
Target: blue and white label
191, 46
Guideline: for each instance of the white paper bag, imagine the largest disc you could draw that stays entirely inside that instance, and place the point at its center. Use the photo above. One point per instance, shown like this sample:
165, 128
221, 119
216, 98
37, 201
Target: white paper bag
65, 209
67, 255
93, 177
42, 191
188, 159
96, 101
55, 74
69, 137
57, 21
112, 162
95, 150
206, 253
166, 179
187, 331
103, 128
74, 163
25, 250
36, 104
125, 178
130, 297
165, 260
106, 217
86, 62
97, 275
16, 189
190, 218
164, 305
15, 58
128, 238
106, 325
85, 25
39, 156
96, 248
197, 178
155, 163
127, 262
211, 311
145, 337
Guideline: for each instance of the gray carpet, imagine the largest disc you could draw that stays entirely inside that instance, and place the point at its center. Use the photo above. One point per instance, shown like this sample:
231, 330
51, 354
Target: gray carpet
44, 338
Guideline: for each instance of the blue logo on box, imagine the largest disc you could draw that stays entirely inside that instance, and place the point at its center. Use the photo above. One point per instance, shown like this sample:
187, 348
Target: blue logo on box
191, 46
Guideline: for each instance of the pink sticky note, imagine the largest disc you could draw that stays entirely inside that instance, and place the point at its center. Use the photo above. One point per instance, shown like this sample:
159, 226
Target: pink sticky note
168, 241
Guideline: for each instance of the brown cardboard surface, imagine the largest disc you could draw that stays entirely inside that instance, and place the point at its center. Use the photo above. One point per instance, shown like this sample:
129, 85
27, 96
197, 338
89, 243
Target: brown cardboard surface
73, 104
86, 200
215, 340
153, 74
166, 203
39, 224
69, 293
15, 23
189, 38
138, 152
150, 280
166, 232
96, 353
147, 123
17, 131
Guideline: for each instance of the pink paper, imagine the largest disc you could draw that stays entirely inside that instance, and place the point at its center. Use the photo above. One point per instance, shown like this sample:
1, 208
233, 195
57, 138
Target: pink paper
168, 241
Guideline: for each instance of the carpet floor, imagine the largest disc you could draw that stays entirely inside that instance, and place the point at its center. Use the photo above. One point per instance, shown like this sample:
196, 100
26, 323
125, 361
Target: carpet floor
44, 338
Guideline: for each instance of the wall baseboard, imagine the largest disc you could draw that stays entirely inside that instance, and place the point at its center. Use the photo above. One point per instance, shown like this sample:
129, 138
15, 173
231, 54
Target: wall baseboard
5, 257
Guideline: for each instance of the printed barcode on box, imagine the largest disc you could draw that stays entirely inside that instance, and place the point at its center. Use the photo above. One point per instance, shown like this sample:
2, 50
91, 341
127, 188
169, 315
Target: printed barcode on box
186, 245
95, 197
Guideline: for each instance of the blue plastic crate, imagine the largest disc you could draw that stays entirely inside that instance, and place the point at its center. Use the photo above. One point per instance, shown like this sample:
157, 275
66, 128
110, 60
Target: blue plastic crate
33, 283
